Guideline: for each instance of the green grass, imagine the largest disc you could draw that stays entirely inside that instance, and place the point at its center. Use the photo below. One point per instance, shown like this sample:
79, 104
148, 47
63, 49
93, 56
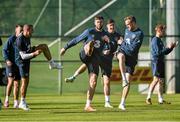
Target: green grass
69, 107
46, 105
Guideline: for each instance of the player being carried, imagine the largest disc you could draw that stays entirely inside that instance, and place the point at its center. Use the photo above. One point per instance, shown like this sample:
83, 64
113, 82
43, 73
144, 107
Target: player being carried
158, 51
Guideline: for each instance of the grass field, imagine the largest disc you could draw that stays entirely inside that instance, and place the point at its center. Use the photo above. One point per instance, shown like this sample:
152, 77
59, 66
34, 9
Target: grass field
69, 107
46, 105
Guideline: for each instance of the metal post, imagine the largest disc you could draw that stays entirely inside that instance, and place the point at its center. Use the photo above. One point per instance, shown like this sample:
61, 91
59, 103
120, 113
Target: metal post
170, 65
60, 33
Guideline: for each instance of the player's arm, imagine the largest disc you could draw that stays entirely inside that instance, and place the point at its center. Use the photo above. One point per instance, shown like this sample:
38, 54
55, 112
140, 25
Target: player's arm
74, 41
156, 48
6, 53
116, 44
24, 55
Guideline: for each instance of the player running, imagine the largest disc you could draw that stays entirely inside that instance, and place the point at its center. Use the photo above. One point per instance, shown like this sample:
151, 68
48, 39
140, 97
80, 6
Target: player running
127, 54
158, 51
24, 53
12, 70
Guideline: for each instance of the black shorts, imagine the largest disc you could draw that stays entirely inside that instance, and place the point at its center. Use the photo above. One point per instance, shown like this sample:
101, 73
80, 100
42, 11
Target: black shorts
24, 69
13, 71
130, 63
84, 58
158, 69
96, 62
106, 65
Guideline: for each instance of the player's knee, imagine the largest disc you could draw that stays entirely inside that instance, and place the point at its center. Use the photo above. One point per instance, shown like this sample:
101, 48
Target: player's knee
93, 83
121, 56
161, 81
43, 46
16, 84
125, 83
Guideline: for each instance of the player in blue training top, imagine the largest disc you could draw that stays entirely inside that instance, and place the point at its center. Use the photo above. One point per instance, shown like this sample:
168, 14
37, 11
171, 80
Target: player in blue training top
24, 52
127, 54
93, 61
158, 51
12, 70
108, 54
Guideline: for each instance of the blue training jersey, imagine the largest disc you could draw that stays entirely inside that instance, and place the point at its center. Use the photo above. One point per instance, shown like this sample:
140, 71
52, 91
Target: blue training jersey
9, 50
132, 42
22, 44
97, 37
158, 50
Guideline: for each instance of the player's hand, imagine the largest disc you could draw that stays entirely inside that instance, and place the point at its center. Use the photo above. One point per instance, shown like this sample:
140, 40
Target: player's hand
8, 63
172, 45
106, 38
106, 52
62, 51
36, 53
120, 40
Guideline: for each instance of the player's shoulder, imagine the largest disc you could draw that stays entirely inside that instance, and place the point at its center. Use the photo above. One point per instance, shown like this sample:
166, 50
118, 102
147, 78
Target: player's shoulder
20, 36
11, 38
155, 39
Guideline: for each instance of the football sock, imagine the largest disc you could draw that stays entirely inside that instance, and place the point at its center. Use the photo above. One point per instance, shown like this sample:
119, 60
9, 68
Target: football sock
88, 103
7, 98
122, 101
107, 98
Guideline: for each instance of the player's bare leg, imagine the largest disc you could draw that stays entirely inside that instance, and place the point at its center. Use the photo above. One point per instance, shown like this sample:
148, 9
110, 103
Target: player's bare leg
79, 71
23, 105
121, 58
160, 92
45, 50
8, 91
151, 89
90, 92
125, 92
106, 84
16, 93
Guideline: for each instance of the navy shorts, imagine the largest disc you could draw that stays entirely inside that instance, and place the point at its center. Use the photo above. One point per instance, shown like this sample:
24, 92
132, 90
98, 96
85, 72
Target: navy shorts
158, 69
106, 66
84, 58
13, 71
24, 69
96, 62
130, 63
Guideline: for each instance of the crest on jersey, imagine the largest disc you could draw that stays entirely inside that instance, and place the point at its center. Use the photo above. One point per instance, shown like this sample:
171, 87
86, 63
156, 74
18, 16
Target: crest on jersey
128, 41
97, 43
133, 36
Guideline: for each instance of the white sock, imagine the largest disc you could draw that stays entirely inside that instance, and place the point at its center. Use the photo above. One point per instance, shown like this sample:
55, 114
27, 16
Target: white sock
107, 98
160, 98
15, 101
88, 103
149, 95
22, 99
122, 101
7, 98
